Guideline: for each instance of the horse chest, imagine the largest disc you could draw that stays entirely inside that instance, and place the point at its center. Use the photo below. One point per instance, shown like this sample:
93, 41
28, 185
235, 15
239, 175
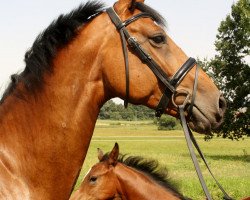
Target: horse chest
11, 186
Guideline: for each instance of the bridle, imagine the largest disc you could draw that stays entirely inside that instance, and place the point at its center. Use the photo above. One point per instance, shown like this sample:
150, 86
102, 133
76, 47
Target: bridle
170, 89
169, 83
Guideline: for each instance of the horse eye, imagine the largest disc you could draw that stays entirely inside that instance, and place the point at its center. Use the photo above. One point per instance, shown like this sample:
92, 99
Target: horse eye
92, 179
159, 39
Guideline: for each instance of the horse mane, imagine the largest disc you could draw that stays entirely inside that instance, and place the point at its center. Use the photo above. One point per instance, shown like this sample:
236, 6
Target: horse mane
151, 168
39, 57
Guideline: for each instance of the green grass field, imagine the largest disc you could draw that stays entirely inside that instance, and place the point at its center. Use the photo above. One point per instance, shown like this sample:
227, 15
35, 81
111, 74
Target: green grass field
229, 160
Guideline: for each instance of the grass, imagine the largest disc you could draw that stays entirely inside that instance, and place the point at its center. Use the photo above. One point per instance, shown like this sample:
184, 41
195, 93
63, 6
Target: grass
229, 160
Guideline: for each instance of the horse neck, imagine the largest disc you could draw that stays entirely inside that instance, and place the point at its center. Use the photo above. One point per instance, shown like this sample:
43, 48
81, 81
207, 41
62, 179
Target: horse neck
136, 185
44, 138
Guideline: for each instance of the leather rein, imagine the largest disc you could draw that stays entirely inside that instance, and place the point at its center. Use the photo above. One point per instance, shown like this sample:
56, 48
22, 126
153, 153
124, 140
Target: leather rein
170, 90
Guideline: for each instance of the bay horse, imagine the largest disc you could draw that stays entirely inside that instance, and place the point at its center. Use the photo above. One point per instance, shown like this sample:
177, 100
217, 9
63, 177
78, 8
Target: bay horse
119, 177
49, 110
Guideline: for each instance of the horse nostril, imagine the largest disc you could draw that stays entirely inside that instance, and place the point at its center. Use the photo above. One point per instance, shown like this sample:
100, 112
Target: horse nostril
221, 109
222, 105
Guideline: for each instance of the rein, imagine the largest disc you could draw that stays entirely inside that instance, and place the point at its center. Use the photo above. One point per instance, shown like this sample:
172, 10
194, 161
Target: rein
190, 142
170, 90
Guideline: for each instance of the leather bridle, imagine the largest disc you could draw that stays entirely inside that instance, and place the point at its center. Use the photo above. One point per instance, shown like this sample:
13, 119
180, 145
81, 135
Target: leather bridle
170, 85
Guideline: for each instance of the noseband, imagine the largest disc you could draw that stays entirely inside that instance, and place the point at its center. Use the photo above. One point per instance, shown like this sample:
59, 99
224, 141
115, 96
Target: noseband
170, 89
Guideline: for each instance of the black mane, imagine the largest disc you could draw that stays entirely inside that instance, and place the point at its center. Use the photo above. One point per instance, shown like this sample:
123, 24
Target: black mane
152, 169
59, 33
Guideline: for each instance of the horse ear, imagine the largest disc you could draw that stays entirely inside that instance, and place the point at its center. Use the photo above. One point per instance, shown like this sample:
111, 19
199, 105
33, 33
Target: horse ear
100, 154
129, 4
113, 156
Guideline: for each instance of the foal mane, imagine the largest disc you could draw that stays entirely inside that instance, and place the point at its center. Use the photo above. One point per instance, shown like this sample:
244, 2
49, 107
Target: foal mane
39, 57
151, 168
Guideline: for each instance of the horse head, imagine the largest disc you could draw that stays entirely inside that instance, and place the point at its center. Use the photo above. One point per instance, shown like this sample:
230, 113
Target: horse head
138, 83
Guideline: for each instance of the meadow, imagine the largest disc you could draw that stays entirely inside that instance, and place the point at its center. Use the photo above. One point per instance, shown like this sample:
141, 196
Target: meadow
229, 160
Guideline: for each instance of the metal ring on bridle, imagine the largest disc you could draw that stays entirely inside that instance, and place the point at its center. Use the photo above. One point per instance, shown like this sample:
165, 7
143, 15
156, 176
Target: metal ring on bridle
185, 102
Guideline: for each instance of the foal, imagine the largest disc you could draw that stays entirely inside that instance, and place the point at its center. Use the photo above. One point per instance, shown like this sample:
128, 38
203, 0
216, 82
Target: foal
125, 178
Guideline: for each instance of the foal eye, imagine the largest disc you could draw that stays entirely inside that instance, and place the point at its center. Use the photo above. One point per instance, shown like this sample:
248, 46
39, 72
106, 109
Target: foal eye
92, 179
158, 39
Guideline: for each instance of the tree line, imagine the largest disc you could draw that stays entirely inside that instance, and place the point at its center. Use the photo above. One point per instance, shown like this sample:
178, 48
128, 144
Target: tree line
113, 111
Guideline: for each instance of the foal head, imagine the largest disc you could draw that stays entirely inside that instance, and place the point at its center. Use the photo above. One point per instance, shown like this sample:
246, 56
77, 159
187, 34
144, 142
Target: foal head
101, 181
118, 177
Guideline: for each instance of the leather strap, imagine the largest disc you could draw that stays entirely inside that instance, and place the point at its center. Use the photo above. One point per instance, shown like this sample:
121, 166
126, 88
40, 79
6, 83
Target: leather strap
192, 153
147, 59
163, 103
182, 72
226, 196
193, 92
125, 53
121, 26
190, 139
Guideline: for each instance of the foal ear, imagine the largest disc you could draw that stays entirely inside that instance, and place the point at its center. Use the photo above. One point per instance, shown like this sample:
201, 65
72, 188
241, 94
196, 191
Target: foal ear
113, 156
100, 154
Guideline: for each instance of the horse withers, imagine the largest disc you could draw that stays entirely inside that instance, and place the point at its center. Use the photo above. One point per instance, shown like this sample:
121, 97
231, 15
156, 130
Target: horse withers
118, 177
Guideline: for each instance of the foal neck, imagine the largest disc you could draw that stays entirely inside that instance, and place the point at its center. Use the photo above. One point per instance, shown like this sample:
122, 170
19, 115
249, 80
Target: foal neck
140, 186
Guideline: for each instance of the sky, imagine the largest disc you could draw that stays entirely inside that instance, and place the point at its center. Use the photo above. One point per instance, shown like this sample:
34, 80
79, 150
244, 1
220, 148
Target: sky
192, 24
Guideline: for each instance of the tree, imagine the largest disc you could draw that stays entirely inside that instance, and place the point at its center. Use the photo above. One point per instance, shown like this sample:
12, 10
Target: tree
111, 110
232, 71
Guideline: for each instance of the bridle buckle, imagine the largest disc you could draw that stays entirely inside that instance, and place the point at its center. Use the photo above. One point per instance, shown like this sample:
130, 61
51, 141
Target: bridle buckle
132, 41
